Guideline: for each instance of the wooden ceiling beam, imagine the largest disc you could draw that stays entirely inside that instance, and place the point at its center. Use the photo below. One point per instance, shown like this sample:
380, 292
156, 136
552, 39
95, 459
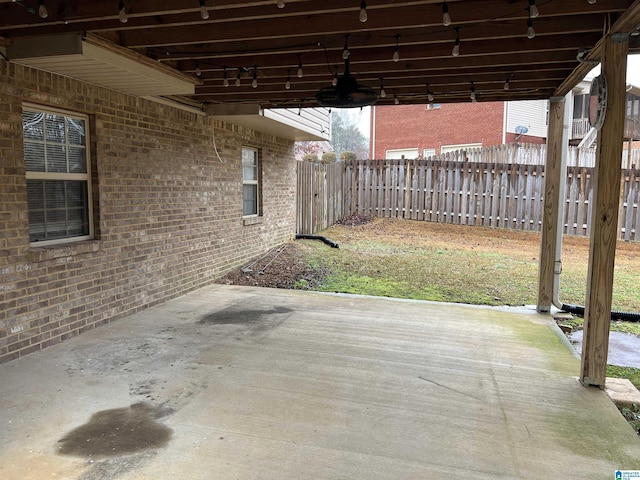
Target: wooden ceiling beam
394, 21
212, 84
441, 52
480, 62
308, 90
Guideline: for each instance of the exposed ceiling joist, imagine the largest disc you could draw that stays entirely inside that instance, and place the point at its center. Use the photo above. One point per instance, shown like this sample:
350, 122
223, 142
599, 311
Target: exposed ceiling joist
255, 38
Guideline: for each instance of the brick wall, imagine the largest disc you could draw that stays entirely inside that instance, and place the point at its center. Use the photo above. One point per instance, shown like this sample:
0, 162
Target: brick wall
513, 137
415, 126
168, 211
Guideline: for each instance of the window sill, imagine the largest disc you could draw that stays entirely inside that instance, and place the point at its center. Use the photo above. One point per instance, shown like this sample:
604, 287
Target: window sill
257, 220
48, 252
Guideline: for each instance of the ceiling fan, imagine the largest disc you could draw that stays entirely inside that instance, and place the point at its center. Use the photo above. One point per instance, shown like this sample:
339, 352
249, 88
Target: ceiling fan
347, 93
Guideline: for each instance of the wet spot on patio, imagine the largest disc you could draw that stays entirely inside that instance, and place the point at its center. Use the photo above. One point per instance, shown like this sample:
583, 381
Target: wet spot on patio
240, 316
115, 432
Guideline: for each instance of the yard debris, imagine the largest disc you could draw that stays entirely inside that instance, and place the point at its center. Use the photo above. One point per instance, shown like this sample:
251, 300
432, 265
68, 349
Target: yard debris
282, 267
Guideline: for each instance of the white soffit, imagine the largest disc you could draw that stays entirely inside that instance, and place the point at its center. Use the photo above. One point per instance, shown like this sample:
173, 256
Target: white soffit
93, 60
272, 122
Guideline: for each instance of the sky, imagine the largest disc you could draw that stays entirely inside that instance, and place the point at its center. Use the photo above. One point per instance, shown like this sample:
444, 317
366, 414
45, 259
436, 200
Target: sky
633, 70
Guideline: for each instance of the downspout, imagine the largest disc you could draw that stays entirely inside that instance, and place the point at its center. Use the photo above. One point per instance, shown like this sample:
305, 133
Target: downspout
373, 133
557, 266
505, 122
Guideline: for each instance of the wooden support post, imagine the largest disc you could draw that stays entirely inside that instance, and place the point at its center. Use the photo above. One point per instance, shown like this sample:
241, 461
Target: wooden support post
552, 204
604, 218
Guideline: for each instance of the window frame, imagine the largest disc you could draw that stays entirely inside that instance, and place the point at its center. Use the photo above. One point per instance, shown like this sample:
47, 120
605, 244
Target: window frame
254, 182
63, 176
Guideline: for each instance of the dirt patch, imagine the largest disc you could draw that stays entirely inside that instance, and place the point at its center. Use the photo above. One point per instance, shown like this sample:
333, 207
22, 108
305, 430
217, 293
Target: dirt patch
354, 220
284, 267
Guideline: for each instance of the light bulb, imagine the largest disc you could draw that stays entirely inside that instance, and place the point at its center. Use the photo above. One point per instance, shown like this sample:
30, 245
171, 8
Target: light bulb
204, 13
591, 2
334, 81
506, 84
287, 84
238, 80
533, 10
280, 3
396, 100
254, 83
472, 96
122, 13
530, 31
396, 52
363, 11
225, 82
300, 69
446, 18
42, 10
383, 94
345, 50
430, 97
456, 46
198, 72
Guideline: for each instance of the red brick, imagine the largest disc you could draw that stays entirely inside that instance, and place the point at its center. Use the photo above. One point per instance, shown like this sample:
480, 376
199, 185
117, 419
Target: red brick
415, 126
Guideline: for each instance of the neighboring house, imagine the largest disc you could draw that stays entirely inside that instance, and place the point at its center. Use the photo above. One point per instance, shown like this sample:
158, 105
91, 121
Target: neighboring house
113, 202
414, 131
581, 132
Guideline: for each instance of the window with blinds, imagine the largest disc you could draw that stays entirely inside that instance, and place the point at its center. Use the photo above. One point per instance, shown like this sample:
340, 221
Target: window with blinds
250, 182
58, 177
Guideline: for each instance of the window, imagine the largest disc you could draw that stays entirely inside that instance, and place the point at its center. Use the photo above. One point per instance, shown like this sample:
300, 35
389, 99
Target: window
57, 172
428, 152
581, 106
250, 182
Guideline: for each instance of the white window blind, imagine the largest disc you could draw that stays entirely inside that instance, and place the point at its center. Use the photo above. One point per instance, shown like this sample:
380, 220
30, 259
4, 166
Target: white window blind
57, 172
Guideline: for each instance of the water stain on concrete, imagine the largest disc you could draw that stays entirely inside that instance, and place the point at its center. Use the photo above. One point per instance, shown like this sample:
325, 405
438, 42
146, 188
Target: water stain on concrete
120, 431
240, 316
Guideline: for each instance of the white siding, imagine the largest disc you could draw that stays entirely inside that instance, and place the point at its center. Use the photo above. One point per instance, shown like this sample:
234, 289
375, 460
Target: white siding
528, 113
316, 121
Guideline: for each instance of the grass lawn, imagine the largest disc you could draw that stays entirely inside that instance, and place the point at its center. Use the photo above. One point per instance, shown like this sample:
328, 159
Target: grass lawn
453, 263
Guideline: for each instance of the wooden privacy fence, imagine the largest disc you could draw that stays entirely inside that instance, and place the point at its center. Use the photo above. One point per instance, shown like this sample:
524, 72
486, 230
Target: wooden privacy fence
467, 193
319, 202
459, 188
485, 194
532, 154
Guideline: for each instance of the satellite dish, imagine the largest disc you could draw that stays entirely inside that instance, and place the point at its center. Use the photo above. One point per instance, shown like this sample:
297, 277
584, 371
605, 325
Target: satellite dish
521, 129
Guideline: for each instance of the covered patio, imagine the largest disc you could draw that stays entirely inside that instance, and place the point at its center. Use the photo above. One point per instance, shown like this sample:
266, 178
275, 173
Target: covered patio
237, 382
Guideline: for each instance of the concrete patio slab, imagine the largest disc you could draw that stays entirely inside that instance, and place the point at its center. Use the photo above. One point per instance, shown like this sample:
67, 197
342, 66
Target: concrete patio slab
248, 383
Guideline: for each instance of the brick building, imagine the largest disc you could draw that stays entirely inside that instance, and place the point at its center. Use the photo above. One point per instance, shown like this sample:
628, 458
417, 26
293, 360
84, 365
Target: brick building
423, 130
163, 200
